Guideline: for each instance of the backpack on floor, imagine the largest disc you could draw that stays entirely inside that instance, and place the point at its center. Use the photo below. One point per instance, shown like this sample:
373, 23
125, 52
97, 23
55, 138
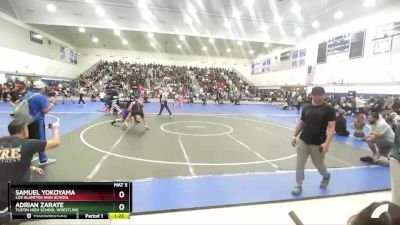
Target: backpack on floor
21, 111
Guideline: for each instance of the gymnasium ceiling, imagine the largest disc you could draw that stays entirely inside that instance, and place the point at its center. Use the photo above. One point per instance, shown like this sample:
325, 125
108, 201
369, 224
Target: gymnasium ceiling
260, 25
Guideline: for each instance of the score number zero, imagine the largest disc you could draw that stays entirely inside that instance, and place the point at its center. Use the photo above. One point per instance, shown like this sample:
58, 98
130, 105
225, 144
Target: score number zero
121, 194
121, 206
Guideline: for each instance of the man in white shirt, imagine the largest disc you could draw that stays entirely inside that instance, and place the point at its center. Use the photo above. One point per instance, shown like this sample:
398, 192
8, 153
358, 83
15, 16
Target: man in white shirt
81, 93
360, 104
164, 102
381, 136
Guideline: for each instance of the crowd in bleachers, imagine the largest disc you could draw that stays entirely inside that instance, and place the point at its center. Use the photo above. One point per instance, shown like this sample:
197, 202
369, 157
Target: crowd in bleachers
191, 82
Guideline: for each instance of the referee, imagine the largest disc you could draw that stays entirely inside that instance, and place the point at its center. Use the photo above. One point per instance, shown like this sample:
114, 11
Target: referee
164, 103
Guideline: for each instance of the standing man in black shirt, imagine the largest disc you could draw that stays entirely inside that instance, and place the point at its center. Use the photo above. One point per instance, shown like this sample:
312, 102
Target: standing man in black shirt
115, 102
16, 153
17, 94
317, 127
14, 95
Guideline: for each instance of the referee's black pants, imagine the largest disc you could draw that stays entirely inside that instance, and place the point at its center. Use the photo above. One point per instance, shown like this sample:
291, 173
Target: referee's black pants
81, 99
164, 104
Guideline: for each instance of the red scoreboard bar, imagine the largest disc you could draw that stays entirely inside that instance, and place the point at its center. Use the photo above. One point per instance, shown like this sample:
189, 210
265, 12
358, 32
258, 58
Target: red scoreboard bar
70, 200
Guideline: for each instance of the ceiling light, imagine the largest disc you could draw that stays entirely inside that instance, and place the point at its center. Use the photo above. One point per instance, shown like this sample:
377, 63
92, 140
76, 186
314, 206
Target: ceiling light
297, 31
251, 52
117, 32
124, 42
236, 14
82, 29
240, 43
228, 50
296, 8
51, 8
150, 35
146, 14
266, 45
248, 3
315, 24
338, 15
152, 44
95, 40
278, 19
263, 28
369, 3
211, 40
142, 4
188, 20
227, 24
179, 46
38, 36
100, 11
191, 9
204, 49
181, 37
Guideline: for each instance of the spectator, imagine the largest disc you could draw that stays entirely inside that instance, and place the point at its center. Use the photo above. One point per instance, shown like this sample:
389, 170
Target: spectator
359, 125
93, 97
5, 92
182, 80
381, 136
20, 151
394, 161
18, 94
390, 119
388, 103
296, 103
341, 124
360, 104
38, 107
14, 95
396, 105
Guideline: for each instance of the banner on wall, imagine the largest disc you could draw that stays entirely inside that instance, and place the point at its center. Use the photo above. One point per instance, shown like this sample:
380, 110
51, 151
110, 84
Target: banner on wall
310, 75
295, 56
298, 57
339, 44
68, 55
261, 66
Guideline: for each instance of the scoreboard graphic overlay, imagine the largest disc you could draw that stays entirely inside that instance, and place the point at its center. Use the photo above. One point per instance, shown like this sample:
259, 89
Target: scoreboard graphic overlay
70, 200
